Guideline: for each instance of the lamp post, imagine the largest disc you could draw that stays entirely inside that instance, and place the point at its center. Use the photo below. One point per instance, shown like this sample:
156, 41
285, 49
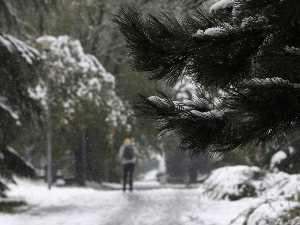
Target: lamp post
46, 42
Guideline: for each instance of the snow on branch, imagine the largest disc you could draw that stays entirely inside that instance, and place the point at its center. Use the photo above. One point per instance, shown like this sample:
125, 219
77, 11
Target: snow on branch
23, 167
292, 50
7, 108
210, 114
13, 44
277, 158
214, 31
14, 152
223, 4
158, 101
199, 107
198, 103
271, 81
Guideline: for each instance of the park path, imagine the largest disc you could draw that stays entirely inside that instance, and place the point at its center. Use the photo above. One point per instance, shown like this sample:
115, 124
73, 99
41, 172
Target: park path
87, 206
159, 207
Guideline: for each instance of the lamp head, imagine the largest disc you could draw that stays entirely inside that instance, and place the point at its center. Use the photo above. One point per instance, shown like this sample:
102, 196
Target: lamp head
46, 42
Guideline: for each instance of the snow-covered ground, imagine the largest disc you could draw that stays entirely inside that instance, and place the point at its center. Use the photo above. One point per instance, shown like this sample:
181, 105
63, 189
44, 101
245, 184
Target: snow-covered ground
273, 198
85, 206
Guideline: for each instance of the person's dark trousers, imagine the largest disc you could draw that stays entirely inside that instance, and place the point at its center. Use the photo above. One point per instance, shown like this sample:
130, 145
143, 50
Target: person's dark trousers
128, 169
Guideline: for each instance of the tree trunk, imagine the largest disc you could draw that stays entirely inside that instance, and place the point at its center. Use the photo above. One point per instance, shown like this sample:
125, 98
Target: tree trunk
80, 160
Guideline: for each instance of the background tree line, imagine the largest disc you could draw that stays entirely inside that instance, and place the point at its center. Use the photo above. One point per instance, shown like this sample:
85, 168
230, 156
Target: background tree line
85, 142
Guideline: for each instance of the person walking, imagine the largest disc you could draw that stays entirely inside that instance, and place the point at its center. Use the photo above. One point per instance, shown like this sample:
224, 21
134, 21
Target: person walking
128, 155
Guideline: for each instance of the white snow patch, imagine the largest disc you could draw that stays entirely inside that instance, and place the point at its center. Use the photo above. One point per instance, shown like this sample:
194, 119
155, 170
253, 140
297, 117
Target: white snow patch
158, 101
291, 150
150, 175
268, 212
214, 31
223, 4
271, 81
210, 114
277, 158
200, 32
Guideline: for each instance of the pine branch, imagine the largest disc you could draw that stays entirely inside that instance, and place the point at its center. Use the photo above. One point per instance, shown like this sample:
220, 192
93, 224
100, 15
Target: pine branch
197, 123
268, 109
171, 49
257, 111
251, 49
15, 164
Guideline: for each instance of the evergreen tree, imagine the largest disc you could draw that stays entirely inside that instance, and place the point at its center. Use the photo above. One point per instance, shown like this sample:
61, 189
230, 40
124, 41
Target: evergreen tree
86, 111
17, 108
249, 49
18, 73
95, 30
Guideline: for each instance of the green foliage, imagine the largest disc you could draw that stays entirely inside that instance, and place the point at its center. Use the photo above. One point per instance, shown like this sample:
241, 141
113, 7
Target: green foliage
11, 207
90, 22
85, 106
291, 149
14, 14
245, 190
231, 158
287, 217
250, 50
290, 215
18, 109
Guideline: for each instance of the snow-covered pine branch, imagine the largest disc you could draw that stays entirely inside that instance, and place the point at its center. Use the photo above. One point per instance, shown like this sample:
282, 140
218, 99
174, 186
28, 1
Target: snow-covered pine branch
14, 45
247, 49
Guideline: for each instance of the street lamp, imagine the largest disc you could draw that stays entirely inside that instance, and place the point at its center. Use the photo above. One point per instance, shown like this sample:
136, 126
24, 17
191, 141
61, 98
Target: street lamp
46, 42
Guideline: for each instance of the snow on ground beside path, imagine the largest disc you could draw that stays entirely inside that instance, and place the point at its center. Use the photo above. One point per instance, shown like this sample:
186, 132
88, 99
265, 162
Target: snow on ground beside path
274, 199
62, 205
150, 175
277, 194
84, 206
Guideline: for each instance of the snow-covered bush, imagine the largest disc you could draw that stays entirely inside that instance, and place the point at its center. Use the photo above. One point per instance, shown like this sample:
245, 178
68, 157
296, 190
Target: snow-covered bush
286, 159
281, 158
277, 158
279, 212
280, 186
277, 193
233, 182
236, 182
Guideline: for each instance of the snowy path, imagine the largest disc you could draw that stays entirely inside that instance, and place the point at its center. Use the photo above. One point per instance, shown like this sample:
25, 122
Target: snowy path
84, 206
152, 207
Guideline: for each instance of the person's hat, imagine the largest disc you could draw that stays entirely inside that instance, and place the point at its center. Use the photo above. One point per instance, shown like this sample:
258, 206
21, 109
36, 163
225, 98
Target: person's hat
127, 141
